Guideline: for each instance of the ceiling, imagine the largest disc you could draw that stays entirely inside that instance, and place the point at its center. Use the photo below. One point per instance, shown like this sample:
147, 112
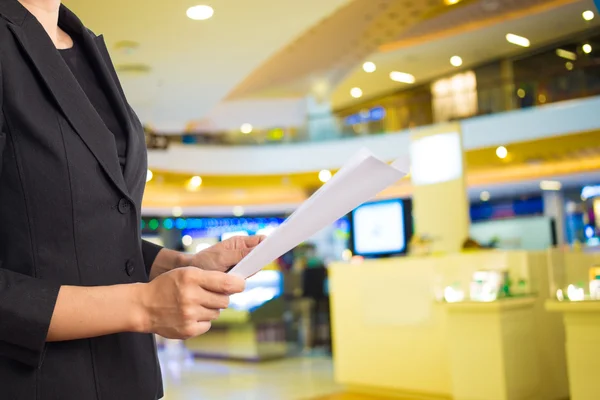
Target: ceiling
194, 64
254, 49
471, 32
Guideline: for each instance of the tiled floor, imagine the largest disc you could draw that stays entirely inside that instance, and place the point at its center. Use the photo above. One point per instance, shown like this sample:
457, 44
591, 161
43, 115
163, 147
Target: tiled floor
290, 379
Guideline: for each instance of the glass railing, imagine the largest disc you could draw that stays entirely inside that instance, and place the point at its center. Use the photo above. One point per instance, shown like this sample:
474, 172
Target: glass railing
405, 111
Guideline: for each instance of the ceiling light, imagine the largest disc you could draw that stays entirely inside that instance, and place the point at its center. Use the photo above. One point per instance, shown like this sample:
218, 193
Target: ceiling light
325, 175
177, 211
566, 54
502, 152
485, 196
238, 211
588, 15
451, 2
521, 93
369, 67
587, 48
518, 40
550, 185
569, 65
402, 77
149, 176
195, 182
200, 13
246, 129
456, 61
542, 98
356, 92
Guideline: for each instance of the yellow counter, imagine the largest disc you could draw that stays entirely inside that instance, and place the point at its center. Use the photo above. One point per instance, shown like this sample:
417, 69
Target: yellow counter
391, 336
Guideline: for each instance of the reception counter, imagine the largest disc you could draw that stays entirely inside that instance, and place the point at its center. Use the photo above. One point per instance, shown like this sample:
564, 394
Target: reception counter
394, 337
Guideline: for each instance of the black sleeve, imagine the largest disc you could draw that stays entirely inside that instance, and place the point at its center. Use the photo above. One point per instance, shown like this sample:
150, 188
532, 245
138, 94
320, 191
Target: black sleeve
149, 251
26, 303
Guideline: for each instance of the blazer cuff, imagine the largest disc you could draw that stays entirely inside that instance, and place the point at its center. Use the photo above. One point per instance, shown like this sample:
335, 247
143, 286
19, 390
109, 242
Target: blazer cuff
25, 313
149, 252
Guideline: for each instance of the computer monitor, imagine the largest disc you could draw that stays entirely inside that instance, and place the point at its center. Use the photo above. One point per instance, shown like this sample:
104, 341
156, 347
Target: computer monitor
381, 228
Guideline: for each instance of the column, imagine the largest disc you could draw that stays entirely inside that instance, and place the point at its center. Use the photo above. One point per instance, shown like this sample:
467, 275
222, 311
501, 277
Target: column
440, 201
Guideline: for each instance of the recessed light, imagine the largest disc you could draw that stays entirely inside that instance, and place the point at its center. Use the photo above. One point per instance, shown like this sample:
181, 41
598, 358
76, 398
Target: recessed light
402, 77
369, 67
518, 40
588, 15
451, 2
149, 176
587, 48
177, 211
566, 54
246, 129
502, 152
485, 196
238, 211
195, 182
325, 175
456, 61
521, 93
569, 65
200, 13
542, 98
356, 92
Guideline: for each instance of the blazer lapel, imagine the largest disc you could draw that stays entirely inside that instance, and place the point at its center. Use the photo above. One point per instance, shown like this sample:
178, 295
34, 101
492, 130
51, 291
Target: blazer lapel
70, 97
135, 134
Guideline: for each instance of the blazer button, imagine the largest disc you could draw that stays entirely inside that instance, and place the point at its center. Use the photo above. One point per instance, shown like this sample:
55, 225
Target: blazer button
124, 206
129, 267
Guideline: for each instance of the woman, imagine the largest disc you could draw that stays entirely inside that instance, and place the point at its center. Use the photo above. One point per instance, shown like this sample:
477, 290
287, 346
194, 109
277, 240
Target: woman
77, 313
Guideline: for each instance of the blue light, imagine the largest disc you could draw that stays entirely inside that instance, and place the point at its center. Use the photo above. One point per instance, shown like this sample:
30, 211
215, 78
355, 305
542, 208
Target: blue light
180, 223
168, 224
589, 232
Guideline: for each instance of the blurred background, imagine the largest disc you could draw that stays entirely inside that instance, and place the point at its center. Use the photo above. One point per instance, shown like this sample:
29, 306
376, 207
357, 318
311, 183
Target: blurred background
488, 287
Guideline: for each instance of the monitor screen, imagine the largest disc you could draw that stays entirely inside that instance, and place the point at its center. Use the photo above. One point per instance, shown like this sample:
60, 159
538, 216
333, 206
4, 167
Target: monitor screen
380, 228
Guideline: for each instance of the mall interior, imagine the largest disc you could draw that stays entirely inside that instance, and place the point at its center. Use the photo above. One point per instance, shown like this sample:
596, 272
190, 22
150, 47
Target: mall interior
476, 276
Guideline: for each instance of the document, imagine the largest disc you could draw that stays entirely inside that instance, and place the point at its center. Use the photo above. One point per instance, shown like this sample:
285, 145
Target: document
357, 182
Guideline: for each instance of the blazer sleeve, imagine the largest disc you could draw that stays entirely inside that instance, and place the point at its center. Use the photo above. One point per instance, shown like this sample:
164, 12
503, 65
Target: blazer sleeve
26, 303
149, 252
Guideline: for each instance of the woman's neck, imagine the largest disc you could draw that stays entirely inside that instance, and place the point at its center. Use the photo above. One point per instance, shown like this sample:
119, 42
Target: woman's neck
46, 12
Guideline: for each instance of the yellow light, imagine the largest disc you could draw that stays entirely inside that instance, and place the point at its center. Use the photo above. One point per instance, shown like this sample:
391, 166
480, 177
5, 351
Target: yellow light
369, 67
588, 15
177, 211
569, 55
550, 185
502, 152
356, 92
149, 176
521, 93
587, 48
569, 65
402, 77
451, 2
456, 61
518, 40
325, 175
200, 13
195, 182
246, 129
542, 98
485, 196
238, 211
187, 240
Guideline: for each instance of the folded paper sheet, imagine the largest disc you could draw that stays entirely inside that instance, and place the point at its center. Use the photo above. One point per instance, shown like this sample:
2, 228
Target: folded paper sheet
358, 181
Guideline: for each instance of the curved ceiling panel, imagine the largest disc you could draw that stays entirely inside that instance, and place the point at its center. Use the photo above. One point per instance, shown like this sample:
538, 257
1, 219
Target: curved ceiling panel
331, 49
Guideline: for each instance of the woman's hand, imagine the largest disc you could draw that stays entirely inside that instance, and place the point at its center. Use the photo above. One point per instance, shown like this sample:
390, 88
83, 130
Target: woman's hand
181, 304
226, 254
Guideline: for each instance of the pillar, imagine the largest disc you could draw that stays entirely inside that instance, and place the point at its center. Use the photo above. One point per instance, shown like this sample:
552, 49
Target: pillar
554, 207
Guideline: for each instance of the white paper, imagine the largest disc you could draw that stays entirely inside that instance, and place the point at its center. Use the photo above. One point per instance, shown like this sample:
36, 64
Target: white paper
358, 181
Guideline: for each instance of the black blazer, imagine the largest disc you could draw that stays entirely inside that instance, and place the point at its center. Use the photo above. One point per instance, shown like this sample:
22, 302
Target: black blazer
68, 216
